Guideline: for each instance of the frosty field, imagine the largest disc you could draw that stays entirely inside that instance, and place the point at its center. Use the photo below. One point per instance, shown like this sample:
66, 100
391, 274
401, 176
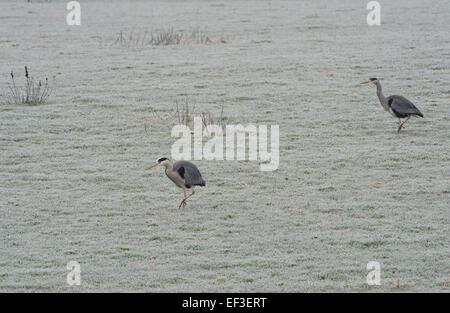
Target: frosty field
348, 190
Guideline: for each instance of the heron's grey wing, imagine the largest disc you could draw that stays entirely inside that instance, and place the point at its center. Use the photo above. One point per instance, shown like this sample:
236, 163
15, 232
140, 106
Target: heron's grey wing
403, 106
189, 172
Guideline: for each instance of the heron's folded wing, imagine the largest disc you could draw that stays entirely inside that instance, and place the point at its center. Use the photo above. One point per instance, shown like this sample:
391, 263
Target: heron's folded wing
191, 175
402, 105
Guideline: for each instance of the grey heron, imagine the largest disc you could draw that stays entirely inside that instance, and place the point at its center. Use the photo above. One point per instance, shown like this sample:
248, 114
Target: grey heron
184, 175
398, 106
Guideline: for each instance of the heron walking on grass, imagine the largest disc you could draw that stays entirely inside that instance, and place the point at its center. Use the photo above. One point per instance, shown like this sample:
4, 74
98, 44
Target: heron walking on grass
184, 174
398, 106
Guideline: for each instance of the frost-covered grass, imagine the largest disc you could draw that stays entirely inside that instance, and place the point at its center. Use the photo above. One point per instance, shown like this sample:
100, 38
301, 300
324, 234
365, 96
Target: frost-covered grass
349, 189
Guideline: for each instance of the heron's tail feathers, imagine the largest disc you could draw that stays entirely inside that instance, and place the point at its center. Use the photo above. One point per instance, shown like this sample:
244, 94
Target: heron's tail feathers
417, 112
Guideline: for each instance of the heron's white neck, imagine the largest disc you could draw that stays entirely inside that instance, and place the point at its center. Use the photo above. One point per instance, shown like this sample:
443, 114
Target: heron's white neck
167, 164
380, 95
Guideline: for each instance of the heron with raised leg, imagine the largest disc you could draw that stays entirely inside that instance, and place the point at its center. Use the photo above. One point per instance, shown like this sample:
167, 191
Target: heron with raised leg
398, 106
184, 175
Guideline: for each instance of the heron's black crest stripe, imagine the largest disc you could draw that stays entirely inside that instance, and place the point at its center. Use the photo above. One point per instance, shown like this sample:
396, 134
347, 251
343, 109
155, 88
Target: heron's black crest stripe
162, 159
372, 79
181, 172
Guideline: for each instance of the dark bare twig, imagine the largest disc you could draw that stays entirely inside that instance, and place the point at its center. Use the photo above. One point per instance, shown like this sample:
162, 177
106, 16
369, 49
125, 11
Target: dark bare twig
161, 37
33, 93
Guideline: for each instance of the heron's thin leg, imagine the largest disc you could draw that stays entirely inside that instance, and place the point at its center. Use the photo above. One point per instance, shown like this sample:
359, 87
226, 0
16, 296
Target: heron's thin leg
183, 202
190, 194
401, 125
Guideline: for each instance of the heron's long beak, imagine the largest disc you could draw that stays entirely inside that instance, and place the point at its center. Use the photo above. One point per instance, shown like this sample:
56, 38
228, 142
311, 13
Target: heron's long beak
151, 166
366, 82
